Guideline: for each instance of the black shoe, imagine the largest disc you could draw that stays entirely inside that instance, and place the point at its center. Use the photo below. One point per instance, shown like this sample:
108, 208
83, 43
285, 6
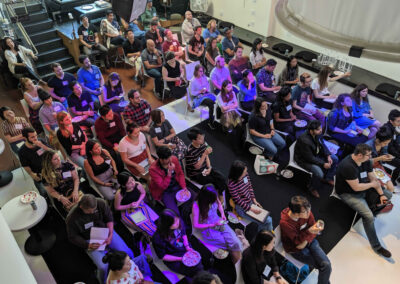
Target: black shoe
211, 125
384, 252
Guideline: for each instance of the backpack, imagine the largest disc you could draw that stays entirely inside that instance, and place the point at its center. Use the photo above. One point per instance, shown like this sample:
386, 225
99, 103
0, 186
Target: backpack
290, 272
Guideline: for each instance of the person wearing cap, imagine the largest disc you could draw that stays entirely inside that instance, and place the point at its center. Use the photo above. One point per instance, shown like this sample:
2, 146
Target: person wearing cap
219, 74
111, 30
155, 34
132, 49
152, 61
149, 14
58, 84
92, 212
89, 39
173, 74
196, 46
81, 104
188, 26
266, 81
238, 65
229, 43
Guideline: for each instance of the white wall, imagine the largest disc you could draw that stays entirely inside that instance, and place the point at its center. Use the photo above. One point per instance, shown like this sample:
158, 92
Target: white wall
243, 13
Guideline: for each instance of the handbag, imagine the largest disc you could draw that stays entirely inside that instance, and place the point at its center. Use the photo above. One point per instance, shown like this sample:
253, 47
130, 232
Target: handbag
263, 166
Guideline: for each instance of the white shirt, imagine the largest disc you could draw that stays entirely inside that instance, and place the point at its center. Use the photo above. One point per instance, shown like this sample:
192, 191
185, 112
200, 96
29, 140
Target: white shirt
256, 58
315, 86
126, 146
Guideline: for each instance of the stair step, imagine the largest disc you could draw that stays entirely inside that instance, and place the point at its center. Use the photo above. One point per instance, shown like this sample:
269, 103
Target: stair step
43, 35
36, 17
52, 54
31, 8
38, 26
45, 66
43, 46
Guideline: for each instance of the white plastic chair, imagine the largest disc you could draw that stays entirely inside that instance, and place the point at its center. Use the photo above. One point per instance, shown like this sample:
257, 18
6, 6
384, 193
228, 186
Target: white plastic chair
255, 149
292, 162
25, 107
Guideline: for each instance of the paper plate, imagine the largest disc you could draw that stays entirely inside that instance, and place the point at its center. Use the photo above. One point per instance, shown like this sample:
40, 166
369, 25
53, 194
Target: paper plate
191, 258
28, 197
300, 123
221, 253
338, 73
264, 45
123, 104
287, 173
379, 173
233, 219
183, 195
87, 7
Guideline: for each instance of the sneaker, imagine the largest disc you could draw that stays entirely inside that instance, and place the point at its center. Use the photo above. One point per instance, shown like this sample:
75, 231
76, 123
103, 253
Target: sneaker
211, 125
384, 252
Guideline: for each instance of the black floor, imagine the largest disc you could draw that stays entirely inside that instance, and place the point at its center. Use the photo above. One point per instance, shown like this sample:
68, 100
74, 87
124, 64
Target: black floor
69, 264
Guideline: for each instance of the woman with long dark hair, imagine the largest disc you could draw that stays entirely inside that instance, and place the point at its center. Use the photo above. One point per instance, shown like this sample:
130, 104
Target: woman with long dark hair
214, 228
12, 127
283, 112
290, 74
173, 73
129, 199
341, 125
31, 96
247, 90
171, 243
114, 92
101, 168
256, 257
212, 52
362, 112
257, 58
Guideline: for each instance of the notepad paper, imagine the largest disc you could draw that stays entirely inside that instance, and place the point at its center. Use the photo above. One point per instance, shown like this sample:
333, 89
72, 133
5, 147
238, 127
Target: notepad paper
259, 217
99, 235
137, 217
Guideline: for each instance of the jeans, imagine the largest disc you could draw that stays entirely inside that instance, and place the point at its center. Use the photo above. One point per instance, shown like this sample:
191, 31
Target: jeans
353, 141
319, 173
267, 225
358, 203
103, 51
210, 104
78, 159
314, 256
27, 71
271, 145
156, 74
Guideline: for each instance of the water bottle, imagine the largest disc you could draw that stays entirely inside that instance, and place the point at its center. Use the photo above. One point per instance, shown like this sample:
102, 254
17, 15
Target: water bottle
33, 204
286, 52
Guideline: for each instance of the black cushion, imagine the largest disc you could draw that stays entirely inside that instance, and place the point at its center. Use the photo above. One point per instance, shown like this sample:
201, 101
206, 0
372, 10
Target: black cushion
281, 47
388, 89
307, 56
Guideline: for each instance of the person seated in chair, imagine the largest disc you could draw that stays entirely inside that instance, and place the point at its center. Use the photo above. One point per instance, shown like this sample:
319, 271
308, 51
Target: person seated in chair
212, 31
341, 125
196, 46
132, 49
109, 131
302, 95
174, 74
229, 43
89, 39
188, 26
247, 90
31, 97
113, 93
152, 60
12, 127
155, 35
238, 65
111, 30
88, 213
211, 54
393, 125
257, 57
137, 111
200, 91
81, 104
355, 183
172, 45
298, 232
90, 78
149, 15
311, 154
60, 84
167, 178
219, 74
31, 155
290, 74
266, 81
262, 130
133, 26
198, 164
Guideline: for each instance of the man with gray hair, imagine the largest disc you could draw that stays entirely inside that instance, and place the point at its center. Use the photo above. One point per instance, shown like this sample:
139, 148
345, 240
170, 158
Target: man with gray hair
188, 27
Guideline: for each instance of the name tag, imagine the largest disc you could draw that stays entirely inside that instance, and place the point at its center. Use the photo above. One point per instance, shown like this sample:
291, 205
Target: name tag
66, 174
267, 271
97, 76
363, 174
85, 33
18, 126
158, 130
84, 103
146, 111
289, 108
57, 108
271, 121
108, 161
65, 83
154, 14
79, 133
88, 225
272, 77
143, 147
40, 152
303, 226
245, 180
174, 43
112, 124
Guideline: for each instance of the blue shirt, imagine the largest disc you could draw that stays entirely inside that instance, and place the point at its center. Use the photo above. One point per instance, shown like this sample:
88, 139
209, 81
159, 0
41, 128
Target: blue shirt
226, 43
138, 33
300, 95
91, 80
359, 110
207, 34
246, 94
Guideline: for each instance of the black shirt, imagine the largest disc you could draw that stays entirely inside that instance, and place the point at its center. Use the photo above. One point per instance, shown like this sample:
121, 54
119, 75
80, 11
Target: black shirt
65, 182
62, 87
154, 37
76, 138
132, 48
173, 72
261, 124
196, 44
253, 268
160, 131
32, 157
349, 170
283, 108
172, 246
82, 103
88, 33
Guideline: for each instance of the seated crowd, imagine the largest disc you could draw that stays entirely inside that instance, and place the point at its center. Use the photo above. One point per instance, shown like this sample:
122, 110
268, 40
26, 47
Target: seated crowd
106, 135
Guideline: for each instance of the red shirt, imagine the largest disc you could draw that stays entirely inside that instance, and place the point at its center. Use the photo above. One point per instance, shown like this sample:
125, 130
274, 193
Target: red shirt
160, 180
293, 233
171, 46
110, 132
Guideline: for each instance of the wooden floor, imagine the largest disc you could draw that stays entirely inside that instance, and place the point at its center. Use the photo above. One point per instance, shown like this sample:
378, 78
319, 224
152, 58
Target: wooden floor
10, 97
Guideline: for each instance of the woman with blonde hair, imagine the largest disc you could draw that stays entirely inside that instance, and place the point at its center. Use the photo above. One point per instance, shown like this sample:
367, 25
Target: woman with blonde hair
211, 31
31, 96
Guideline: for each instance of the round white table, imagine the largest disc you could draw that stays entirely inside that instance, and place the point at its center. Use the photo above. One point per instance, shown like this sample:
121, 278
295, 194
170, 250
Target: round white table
5, 176
20, 216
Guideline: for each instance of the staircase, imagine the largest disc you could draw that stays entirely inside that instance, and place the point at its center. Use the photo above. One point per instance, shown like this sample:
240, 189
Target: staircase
44, 36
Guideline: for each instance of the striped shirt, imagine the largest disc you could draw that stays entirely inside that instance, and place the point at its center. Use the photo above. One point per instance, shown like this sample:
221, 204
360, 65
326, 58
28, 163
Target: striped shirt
242, 192
192, 156
14, 129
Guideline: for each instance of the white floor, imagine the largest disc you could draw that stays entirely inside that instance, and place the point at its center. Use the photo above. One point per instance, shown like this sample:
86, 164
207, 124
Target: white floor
353, 260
